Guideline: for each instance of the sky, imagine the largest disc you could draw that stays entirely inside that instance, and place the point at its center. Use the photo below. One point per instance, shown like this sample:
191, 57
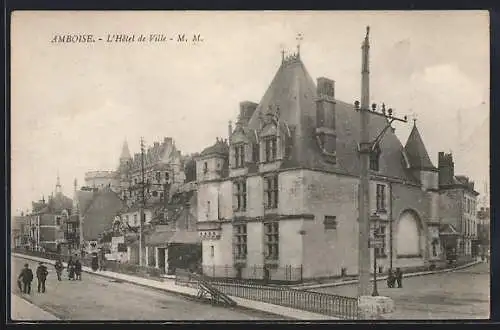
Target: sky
74, 104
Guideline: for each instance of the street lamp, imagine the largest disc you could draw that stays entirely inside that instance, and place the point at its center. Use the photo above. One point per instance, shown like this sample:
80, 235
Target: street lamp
375, 244
365, 150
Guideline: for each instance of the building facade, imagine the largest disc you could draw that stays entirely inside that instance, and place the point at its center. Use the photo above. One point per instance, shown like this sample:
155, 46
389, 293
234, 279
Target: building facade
47, 221
281, 193
458, 211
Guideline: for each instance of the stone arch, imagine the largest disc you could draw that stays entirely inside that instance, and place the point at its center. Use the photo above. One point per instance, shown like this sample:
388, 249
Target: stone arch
409, 234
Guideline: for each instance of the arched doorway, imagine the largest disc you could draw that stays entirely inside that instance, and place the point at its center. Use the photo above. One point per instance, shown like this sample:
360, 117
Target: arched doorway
409, 235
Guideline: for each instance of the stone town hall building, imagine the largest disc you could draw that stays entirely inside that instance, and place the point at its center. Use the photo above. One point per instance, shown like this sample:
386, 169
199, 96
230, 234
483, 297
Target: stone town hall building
282, 190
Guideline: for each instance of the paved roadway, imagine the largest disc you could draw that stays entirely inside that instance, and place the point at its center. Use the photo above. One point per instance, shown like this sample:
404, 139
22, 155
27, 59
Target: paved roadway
99, 298
461, 294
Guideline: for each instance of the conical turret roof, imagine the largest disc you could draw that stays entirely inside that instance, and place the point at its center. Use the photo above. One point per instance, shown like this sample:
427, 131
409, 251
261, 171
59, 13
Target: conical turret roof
125, 151
416, 151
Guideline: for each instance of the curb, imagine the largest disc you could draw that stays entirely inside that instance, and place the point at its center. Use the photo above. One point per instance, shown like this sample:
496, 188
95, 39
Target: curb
51, 316
193, 297
384, 277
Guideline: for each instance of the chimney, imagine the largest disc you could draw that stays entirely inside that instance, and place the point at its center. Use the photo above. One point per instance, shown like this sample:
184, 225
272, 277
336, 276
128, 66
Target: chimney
325, 115
247, 108
325, 87
446, 168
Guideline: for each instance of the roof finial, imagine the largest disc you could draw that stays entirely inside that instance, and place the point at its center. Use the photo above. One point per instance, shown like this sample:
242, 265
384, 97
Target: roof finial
299, 39
414, 121
58, 183
367, 33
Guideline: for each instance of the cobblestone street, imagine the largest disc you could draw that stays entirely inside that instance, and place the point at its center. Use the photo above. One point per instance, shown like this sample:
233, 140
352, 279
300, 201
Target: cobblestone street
98, 298
461, 294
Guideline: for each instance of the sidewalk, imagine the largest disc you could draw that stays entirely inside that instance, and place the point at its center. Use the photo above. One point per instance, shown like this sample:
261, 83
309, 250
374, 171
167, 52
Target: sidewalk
169, 285
23, 310
381, 278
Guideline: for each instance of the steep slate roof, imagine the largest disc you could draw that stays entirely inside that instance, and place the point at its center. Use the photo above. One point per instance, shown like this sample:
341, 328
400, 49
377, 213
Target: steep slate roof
416, 152
294, 91
60, 202
100, 213
219, 148
84, 198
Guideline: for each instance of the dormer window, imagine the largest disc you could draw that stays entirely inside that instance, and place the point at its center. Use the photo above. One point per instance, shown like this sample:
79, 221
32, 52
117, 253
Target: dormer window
375, 158
239, 155
270, 149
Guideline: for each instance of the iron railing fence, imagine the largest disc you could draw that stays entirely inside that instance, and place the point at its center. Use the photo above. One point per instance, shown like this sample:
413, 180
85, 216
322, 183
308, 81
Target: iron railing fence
322, 303
255, 273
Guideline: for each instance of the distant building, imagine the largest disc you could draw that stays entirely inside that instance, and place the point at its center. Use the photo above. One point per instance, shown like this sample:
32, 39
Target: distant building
458, 215
163, 169
102, 179
483, 230
279, 197
20, 232
47, 221
96, 210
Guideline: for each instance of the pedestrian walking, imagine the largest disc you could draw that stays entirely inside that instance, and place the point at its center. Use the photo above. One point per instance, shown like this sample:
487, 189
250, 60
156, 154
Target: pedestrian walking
78, 270
390, 279
41, 275
59, 268
399, 277
71, 269
95, 262
26, 278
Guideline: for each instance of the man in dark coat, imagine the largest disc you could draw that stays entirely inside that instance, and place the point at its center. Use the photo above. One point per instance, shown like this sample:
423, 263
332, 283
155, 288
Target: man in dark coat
78, 270
71, 269
59, 268
399, 277
26, 278
41, 275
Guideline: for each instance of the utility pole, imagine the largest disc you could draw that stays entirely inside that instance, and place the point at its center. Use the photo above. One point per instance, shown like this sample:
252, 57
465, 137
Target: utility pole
365, 149
143, 206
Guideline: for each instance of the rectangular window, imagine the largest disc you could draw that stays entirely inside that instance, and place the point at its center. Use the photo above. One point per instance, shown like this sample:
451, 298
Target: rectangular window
271, 231
239, 155
380, 197
330, 222
70, 227
374, 160
255, 153
158, 176
58, 221
240, 192
271, 192
205, 167
240, 241
380, 235
212, 251
135, 220
270, 149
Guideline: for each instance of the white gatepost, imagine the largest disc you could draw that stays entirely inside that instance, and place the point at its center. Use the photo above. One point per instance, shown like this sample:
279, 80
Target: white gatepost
157, 257
147, 255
